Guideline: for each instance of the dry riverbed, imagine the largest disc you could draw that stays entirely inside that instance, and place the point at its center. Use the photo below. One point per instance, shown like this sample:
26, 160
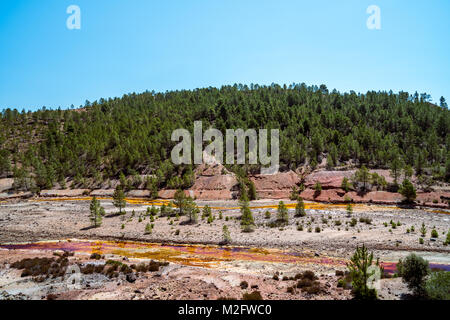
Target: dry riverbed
31, 220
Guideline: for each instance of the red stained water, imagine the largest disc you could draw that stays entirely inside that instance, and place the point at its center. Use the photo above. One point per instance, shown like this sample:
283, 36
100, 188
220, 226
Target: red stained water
194, 255
198, 255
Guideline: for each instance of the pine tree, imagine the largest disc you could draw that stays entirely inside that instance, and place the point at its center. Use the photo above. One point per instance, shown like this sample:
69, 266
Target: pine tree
96, 213
191, 209
396, 168
359, 269
362, 176
408, 191
206, 212
349, 210
119, 198
282, 213
345, 185
247, 221
148, 228
251, 190
180, 201
423, 230
300, 208
226, 235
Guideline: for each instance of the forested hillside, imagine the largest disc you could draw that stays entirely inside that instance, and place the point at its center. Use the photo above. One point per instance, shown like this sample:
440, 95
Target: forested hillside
131, 135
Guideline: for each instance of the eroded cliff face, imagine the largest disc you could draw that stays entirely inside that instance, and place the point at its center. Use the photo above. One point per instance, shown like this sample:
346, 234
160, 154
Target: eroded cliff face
276, 186
214, 182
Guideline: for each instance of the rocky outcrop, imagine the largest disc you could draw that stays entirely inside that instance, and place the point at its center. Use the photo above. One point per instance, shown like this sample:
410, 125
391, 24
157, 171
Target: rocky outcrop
6, 184
338, 196
138, 194
65, 193
212, 182
102, 193
333, 179
22, 195
275, 186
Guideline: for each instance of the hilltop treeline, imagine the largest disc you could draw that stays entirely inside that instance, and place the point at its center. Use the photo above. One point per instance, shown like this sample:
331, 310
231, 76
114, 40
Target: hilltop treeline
131, 135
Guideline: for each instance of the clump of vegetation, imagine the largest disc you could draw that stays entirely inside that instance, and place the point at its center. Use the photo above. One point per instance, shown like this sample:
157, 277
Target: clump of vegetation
408, 191
206, 212
447, 240
317, 229
95, 256
345, 185
186, 206
43, 268
365, 220
317, 189
437, 286
413, 271
307, 282
353, 222
434, 233
267, 214
255, 295
361, 177
243, 285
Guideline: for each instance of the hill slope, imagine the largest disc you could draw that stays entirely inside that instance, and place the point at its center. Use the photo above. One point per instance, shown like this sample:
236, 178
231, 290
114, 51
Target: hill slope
131, 135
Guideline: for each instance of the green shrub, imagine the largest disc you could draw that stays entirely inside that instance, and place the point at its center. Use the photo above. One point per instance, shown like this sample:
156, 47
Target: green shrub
447, 240
300, 208
255, 295
434, 233
423, 230
244, 285
407, 190
414, 269
437, 287
226, 235
317, 189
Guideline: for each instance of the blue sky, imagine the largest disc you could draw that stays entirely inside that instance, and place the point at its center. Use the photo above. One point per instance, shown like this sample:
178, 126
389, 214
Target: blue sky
128, 46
